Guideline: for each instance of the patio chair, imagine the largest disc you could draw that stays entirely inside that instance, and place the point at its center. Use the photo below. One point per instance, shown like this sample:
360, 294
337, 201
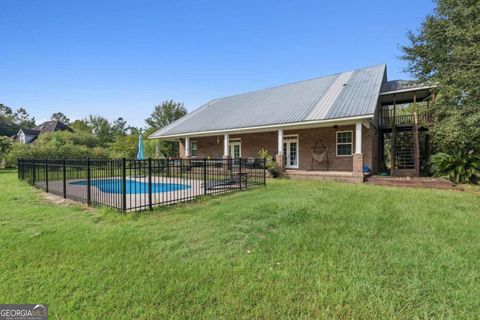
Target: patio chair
235, 179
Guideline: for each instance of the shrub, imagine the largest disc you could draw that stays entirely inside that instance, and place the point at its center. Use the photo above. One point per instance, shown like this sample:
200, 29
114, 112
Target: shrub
460, 166
270, 162
55, 146
5, 145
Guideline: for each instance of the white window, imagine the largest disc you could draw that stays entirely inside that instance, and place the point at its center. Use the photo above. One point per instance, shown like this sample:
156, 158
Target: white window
193, 148
344, 143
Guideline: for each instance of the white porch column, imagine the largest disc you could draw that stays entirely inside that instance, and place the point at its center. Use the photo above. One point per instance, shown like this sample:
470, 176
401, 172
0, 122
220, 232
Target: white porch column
358, 137
187, 146
358, 156
280, 142
226, 139
279, 156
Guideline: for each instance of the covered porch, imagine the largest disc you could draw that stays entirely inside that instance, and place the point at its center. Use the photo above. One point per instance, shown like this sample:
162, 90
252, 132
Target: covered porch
334, 151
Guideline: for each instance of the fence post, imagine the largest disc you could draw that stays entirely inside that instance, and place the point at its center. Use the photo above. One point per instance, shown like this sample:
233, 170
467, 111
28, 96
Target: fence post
23, 169
240, 172
33, 172
124, 185
46, 175
168, 166
19, 166
89, 199
150, 183
64, 167
205, 176
264, 171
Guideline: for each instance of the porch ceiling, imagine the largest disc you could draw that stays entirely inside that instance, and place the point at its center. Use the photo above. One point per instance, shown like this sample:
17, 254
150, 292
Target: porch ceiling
406, 95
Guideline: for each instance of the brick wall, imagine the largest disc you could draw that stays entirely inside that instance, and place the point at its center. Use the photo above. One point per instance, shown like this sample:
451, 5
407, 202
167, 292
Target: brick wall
254, 142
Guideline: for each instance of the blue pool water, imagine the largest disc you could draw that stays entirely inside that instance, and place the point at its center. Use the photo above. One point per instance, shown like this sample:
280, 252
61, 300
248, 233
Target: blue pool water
133, 187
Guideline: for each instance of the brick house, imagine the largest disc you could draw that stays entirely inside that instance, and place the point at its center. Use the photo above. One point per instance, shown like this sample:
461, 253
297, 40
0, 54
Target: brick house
334, 127
29, 135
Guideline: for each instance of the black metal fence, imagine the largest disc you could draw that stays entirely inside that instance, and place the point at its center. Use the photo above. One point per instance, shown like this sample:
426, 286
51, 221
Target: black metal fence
129, 185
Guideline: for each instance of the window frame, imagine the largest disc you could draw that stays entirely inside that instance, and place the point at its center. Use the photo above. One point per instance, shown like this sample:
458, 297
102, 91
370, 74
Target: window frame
344, 143
234, 142
191, 148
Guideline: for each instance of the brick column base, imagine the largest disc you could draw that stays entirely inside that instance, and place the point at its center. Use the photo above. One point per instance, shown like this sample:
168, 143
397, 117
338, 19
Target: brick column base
280, 166
358, 164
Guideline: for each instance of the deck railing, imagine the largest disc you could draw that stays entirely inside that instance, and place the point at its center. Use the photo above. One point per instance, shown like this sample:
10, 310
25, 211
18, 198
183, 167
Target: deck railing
129, 185
388, 119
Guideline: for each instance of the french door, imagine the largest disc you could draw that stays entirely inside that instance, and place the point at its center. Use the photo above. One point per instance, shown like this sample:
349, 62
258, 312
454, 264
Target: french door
290, 151
235, 150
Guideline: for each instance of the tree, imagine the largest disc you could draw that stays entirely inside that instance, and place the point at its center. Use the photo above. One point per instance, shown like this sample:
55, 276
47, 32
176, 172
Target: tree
125, 146
165, 113
446, 50
101, 128
23, 119
119, 127
11, 122
5, 145
5, 110
81, 126
59, 116
8, 127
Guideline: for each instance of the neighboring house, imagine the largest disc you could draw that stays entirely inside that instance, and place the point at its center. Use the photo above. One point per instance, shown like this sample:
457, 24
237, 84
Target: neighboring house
26, 136
335, 127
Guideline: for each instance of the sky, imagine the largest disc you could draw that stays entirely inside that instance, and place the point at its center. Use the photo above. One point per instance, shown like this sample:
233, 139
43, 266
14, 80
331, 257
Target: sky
121, 58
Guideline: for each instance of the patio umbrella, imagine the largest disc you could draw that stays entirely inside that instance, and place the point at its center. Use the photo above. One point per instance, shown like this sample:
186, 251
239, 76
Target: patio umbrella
140, 148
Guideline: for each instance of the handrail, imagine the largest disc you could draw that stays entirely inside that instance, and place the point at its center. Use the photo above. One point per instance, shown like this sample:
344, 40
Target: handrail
388, 119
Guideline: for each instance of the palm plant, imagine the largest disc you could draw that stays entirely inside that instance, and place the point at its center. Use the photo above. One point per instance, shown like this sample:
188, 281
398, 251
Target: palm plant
459, 166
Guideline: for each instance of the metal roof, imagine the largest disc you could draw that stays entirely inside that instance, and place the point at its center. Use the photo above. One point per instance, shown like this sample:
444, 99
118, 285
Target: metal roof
343, 95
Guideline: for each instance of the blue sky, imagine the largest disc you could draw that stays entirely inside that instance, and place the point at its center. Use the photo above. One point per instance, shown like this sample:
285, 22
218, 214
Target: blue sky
121, 58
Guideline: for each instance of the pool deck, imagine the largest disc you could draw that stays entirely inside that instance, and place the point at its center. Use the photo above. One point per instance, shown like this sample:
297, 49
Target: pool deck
133, 202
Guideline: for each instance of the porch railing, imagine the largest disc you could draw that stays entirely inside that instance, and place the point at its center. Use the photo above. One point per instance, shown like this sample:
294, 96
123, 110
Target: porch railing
388, 119
129, 185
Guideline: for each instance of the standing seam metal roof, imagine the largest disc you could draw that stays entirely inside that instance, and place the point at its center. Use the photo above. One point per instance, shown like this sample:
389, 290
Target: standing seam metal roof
342, 95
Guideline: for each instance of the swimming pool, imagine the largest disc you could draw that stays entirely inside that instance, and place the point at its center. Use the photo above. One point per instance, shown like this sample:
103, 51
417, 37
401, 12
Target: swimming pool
133, 186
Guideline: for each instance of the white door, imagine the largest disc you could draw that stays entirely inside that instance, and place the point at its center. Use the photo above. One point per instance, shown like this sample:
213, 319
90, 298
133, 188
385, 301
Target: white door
235, 151
290, 151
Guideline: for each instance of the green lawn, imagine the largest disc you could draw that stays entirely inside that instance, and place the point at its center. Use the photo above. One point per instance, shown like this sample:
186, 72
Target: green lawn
289, 250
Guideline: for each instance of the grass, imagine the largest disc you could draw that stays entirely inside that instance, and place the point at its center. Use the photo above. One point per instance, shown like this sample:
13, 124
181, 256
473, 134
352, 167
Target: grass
289, 250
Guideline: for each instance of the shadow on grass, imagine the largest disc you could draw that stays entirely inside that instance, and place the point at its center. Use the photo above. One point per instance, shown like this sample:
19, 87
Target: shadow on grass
8, 171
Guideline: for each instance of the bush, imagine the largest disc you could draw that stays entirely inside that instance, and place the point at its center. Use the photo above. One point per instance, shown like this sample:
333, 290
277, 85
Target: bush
271, 165
57, 145
459, 166
5, 145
